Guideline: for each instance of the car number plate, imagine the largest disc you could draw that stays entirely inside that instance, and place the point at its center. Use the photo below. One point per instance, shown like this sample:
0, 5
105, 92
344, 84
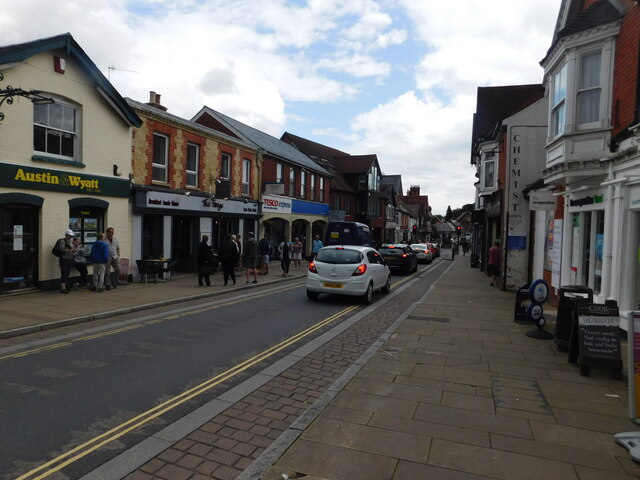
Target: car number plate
389, 258
332, 285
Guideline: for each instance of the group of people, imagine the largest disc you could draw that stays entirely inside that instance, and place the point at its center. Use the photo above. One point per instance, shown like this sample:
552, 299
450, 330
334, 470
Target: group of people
105, 254
255, 256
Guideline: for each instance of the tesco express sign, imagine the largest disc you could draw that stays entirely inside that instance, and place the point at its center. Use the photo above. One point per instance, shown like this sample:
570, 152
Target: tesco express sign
275, 204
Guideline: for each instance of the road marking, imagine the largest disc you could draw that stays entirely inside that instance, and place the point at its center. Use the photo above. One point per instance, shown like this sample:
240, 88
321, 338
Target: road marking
86, 448
37, 350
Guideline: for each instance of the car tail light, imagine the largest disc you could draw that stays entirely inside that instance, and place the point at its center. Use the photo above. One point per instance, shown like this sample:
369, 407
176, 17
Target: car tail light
404, 255
312, 267
360, 270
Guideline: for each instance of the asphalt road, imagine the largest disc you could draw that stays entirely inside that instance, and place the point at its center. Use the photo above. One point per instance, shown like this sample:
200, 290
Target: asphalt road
74, 389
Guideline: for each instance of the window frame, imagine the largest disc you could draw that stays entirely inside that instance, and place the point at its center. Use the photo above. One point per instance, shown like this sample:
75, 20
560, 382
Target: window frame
312, 187
48, 127
292, 182
303, 184
225, 159
321, 188
157, 167
558, 100
193, 172
246, 177
583, 91
279, 170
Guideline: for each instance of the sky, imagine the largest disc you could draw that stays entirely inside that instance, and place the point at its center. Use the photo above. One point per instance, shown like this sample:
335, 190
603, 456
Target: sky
397, 78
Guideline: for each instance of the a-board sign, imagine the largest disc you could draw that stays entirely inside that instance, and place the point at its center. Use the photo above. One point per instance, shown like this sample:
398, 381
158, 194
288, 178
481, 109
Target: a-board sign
598, 340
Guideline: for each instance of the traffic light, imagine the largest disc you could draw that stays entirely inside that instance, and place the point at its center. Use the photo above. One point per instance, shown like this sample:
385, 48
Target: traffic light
458, 229
415, 229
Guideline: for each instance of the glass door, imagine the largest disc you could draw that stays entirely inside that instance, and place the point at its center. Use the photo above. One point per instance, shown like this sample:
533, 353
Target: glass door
19, 250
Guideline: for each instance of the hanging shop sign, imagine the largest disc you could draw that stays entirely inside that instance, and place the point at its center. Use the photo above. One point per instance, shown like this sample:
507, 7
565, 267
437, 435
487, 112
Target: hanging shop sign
542, 201
20, 176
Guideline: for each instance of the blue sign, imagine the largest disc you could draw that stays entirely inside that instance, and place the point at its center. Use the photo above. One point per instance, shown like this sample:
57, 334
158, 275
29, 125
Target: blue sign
309, 208
517, 242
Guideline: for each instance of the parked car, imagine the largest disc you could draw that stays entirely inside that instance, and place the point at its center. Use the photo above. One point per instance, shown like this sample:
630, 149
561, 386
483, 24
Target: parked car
399, 256
348, 270
422, 252
436, 249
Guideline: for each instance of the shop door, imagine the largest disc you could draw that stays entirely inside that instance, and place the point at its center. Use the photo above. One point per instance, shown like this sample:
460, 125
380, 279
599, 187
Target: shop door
19, 251
184, 242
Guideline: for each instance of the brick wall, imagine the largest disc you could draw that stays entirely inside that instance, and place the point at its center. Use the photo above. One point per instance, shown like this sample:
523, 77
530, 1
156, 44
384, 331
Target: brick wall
625, 74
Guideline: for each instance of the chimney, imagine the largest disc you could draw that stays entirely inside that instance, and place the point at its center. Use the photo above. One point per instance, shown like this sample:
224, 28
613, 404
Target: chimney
414, 191
154, 101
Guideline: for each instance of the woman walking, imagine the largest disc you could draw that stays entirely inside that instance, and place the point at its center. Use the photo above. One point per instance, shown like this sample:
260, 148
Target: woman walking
229, 256
296, 256
285, 255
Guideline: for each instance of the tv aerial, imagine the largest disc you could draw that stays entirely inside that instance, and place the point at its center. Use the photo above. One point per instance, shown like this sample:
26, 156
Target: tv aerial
111, 68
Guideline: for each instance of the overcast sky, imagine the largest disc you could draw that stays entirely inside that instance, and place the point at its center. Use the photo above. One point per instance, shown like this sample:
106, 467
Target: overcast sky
397, 78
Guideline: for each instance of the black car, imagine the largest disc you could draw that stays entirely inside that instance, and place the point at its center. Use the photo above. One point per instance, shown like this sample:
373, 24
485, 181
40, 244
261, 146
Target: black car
399, 256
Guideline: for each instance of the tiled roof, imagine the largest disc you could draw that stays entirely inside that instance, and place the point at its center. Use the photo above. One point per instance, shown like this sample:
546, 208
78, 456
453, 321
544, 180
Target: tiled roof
268, 143
311, 148
23, 51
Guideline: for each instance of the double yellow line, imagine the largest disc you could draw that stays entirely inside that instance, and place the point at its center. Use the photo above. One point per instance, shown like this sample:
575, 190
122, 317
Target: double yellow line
86, 448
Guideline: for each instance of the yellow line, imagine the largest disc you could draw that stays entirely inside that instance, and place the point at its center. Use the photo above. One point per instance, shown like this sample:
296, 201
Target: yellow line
110, 332
37, 350
155, 412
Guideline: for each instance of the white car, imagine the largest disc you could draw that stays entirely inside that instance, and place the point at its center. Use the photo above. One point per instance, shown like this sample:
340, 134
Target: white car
422, 252
348, 270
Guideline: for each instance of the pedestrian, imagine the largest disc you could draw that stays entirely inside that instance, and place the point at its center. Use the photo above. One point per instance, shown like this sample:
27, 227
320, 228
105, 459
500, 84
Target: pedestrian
80, 260
250, 257
264, 248
114, 260
493, 268
65, 258
205, 262
238, 240
285, 255
229, 255
316, 245
100, 258
296, 254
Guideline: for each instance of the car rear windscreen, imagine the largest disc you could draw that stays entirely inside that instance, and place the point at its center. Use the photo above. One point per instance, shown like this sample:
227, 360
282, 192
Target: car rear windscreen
339, 256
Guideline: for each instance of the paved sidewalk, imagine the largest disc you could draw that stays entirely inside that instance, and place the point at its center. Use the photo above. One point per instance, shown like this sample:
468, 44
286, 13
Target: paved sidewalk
32, 312
450, 389
458, 391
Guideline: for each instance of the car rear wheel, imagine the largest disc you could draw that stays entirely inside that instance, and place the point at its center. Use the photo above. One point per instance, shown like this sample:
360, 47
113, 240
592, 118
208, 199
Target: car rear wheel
387, 286
368, 295
312, 295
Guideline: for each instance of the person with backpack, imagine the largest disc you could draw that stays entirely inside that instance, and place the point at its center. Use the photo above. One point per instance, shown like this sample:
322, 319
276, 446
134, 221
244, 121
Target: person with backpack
64, 251
100, 258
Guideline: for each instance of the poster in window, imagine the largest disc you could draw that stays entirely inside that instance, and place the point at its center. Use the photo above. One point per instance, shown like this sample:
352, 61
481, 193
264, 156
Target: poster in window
599, 253
75, 223
91, 223
90, 237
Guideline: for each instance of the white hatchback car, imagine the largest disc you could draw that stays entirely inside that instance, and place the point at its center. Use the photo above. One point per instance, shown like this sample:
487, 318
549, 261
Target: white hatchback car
348, 270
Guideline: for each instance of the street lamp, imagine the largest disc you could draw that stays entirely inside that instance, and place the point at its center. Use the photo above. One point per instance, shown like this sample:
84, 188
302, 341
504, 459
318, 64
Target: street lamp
7, 94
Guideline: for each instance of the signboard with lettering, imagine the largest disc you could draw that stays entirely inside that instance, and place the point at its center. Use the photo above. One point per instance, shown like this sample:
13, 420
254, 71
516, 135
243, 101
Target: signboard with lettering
595, 339
19, 176
196, 203
542, 200
275, 204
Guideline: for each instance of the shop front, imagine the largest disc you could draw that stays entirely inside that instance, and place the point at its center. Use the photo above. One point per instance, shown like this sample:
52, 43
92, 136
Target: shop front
171, 224
37, 205
290, 217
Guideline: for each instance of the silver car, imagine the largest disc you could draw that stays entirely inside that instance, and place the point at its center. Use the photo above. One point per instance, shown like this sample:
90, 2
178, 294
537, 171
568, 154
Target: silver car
348, 270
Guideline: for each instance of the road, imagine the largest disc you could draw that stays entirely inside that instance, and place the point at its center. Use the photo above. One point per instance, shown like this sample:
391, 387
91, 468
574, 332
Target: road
101, 390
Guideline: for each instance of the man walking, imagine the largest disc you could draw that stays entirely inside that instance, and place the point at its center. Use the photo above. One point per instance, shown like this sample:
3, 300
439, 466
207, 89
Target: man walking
100, 258
493, 269
316, 245
264, 248
114, 260
250, 257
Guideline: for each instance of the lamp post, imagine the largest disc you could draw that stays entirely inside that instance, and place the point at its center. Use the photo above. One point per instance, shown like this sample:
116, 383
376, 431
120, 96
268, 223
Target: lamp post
7, 95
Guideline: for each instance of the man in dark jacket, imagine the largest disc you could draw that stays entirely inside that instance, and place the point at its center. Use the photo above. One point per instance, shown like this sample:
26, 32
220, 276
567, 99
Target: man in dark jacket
265, 250
250, 257
205, 261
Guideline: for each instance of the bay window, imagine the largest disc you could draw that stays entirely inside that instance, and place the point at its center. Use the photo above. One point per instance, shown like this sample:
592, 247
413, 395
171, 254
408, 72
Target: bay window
588, 97
558, 112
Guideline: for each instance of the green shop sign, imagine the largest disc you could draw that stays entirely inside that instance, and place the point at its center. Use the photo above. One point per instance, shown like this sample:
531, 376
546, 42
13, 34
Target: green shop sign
18, 176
